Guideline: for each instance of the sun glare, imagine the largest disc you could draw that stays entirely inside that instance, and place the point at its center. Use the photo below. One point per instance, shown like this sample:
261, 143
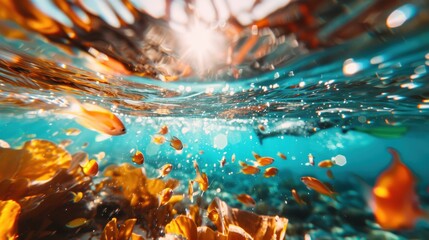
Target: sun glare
201, 46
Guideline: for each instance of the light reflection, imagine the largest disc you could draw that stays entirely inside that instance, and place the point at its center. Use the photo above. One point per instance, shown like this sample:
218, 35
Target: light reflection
400, 15
351, 67
423, 106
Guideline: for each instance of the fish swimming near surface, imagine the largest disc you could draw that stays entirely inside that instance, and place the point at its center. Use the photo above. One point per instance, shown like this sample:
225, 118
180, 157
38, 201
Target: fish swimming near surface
293, 128
394, 201
94, 117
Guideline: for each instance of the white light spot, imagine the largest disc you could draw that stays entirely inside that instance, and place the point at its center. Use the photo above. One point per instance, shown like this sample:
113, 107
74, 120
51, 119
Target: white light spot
220, 141
339, 160
400, 15
351, 67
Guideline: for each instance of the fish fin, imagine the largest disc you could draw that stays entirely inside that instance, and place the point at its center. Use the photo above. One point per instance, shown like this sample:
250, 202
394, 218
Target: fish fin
92, 107
395, 155
364, 188
74, 106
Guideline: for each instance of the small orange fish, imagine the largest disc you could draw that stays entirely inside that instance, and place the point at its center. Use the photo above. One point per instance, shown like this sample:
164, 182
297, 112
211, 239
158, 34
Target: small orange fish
95, 117
270, 172
158, 139
222, 162
310, 159
281, 155
250, 170
90, 168
176, 143
191, 190
326, 164
100, 155
65, 143
246, 200
163, 130
201, 152
394, 201
72, 132
85, 144
318, 186
77, 196
297, 198
165, 196
165, 170
330, 174
233, 158
264, 161
261, 127
77, 222
138, 157
201, 178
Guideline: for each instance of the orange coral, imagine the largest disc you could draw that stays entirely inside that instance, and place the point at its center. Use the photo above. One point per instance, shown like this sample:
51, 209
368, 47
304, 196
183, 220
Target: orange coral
231, 223
9, 211
37, 160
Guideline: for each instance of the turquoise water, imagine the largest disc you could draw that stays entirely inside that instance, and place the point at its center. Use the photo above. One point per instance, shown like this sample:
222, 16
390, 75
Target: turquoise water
348, 81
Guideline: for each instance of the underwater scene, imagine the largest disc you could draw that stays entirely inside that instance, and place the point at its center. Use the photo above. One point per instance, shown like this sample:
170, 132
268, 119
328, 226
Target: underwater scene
214, 119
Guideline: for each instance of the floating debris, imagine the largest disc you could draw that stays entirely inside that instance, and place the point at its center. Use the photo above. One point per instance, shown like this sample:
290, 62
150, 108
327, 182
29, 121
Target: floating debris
339, 160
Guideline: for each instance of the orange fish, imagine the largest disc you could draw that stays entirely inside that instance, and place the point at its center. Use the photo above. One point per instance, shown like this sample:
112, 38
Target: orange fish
95, 117
72, 132
90, 168
310, 159
77, 196
297, 198
264, 161
233, 158
165, 196
250, 170
163, 130
330, 174
176, 143
138, 157
326, 164
246, 200
318, 186
222, 161
201, 178
281, 155
191, 190
261, 127
165, 170
100, 155
394, 201
65, 143
270, 172
77, 222
158, 139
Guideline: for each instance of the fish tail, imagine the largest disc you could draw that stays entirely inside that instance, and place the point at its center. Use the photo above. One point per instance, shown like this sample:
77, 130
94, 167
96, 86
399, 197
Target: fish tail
395, 154
74, 106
